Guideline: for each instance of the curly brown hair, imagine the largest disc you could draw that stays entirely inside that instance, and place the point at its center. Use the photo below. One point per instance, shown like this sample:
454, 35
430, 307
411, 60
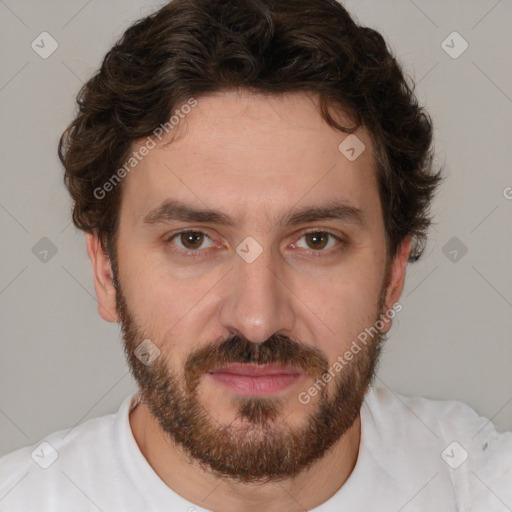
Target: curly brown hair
194, 47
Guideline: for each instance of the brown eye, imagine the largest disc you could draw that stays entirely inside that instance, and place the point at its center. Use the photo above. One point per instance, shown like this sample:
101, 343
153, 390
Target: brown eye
318, 240
190, 240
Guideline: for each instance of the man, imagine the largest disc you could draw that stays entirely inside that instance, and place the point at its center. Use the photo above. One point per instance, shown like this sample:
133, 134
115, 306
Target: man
253, 178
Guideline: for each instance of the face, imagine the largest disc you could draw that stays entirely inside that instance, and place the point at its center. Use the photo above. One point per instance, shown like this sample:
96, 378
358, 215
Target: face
251, 252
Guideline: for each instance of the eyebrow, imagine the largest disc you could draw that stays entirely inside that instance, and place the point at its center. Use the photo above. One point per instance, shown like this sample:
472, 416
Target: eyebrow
171, 210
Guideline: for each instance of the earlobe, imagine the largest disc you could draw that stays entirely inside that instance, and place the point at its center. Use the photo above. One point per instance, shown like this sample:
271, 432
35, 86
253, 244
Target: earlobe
103, 284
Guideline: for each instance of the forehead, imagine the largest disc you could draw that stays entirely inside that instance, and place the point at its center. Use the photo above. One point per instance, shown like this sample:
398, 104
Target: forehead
243, 152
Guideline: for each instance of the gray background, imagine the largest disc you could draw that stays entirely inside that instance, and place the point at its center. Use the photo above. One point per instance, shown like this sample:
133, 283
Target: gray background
61, 364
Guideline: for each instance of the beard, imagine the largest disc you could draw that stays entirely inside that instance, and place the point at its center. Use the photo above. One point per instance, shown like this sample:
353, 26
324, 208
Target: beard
258, 446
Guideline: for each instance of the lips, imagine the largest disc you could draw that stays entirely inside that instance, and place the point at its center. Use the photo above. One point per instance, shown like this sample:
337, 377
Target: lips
256, 370
255, 380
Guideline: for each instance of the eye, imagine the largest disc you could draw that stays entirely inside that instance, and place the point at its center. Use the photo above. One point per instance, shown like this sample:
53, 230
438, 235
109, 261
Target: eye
319, 240
191, 241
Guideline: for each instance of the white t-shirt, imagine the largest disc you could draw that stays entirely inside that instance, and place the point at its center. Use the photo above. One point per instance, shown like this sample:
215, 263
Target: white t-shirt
415, 455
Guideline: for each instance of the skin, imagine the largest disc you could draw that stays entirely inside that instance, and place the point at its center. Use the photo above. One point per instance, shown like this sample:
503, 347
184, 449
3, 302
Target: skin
255, 158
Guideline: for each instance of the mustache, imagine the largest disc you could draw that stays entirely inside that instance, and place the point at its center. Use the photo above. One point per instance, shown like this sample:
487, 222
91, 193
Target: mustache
278, 349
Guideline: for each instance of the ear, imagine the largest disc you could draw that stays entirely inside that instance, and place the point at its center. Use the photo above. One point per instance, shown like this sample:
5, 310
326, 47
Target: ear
105, 291
396, 281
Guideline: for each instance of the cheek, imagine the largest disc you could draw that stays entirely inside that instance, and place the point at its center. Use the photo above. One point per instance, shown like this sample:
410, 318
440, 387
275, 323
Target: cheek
171, 309
151, 300
346, 304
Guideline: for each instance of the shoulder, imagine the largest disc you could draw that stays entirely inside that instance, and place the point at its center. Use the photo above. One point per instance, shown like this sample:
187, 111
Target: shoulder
34, 473
466, 448
441, 415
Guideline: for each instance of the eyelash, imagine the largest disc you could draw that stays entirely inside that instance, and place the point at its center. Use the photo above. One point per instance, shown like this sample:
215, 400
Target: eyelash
199, 253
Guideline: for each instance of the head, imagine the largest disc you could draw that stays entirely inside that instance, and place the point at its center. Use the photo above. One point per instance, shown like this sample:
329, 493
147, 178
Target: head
253, 178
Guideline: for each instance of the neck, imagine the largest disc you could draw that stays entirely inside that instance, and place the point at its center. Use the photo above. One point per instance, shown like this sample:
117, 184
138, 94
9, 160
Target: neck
305, 491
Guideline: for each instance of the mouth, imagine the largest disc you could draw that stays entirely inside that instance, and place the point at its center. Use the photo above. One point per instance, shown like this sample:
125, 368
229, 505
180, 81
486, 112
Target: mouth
255, 379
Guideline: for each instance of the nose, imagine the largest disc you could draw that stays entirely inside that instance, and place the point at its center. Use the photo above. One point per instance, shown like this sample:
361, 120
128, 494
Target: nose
257, 301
